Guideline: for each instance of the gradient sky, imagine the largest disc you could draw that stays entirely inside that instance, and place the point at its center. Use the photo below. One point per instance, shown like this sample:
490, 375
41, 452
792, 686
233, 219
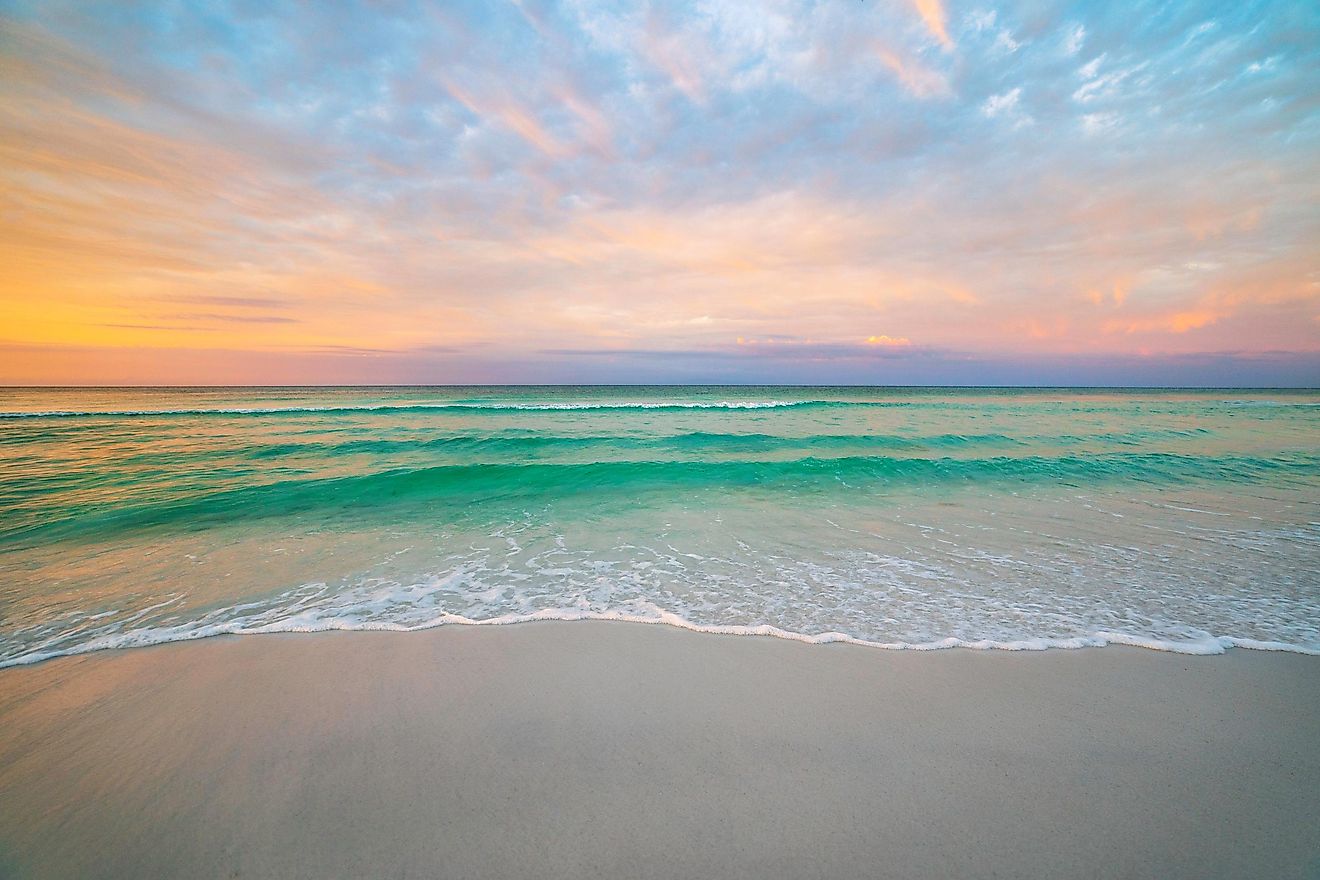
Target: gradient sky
841, 191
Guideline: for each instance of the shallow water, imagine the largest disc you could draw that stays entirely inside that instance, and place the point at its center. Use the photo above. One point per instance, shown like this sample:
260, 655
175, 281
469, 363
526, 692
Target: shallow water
1183, 520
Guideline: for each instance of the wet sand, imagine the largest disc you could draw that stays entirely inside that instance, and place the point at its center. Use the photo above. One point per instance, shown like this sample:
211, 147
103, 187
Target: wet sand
613, 750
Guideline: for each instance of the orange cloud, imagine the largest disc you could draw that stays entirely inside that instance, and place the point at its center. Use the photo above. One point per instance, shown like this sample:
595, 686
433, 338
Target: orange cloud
920, 81
124, 228
595, 127
773, 233
1116, 297
1171, 322
670, 52
932, 13
118, 236
509, 113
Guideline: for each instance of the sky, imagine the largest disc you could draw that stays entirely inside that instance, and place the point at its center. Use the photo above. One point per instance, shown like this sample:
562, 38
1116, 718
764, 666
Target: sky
847, 191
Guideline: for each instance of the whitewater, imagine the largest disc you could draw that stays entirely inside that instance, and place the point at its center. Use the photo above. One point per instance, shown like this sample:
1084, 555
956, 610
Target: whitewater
901, 518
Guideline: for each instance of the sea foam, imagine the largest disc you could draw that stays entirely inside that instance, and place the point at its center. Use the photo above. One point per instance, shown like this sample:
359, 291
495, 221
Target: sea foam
900, 519
148, 636
425, 407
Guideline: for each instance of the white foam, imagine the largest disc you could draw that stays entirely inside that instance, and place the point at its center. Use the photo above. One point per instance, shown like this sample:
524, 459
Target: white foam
311, 623
911, 574
386, 407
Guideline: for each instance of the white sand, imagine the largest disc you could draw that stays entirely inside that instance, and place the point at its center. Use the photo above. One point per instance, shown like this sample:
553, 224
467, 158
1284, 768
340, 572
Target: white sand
621, 750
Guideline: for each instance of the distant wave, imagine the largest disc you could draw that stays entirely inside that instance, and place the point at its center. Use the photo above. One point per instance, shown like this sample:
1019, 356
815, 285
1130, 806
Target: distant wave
694, 441
473, 484
425, 407
1278, 403
495, 407
519, 443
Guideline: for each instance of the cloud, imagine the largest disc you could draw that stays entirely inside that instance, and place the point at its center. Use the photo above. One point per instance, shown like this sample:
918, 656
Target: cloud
1074, 40
932, 13
921, 81
1098, 123
487, 187
224, 300
505, 110
677, 55
1101, 86
222, 318
1003, 104
1170, 322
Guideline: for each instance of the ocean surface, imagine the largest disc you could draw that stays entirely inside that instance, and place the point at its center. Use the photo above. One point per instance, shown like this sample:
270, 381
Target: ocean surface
904, 518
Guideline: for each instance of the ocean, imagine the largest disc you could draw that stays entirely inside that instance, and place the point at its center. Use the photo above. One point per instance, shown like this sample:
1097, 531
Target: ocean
913, 518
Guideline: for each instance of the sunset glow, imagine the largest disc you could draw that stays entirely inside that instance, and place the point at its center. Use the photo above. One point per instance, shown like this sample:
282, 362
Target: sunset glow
595, 192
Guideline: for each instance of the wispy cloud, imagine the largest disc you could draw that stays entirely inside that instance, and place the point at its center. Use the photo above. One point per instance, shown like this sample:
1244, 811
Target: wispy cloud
1002, 104
493, 188
918, 79
932, 13
501, 107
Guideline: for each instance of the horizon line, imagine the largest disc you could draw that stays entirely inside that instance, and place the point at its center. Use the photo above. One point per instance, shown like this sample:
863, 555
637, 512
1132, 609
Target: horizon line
1017, 386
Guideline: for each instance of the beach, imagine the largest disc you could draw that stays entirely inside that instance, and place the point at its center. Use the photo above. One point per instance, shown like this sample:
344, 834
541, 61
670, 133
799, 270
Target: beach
566, 440
605, 749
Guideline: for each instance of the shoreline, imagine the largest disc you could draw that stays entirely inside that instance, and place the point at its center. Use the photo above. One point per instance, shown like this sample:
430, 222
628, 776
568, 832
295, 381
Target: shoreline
1210, 646
612, 749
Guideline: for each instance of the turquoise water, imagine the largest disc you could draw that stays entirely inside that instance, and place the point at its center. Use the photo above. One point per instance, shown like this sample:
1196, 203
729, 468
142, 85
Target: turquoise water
1182, 520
